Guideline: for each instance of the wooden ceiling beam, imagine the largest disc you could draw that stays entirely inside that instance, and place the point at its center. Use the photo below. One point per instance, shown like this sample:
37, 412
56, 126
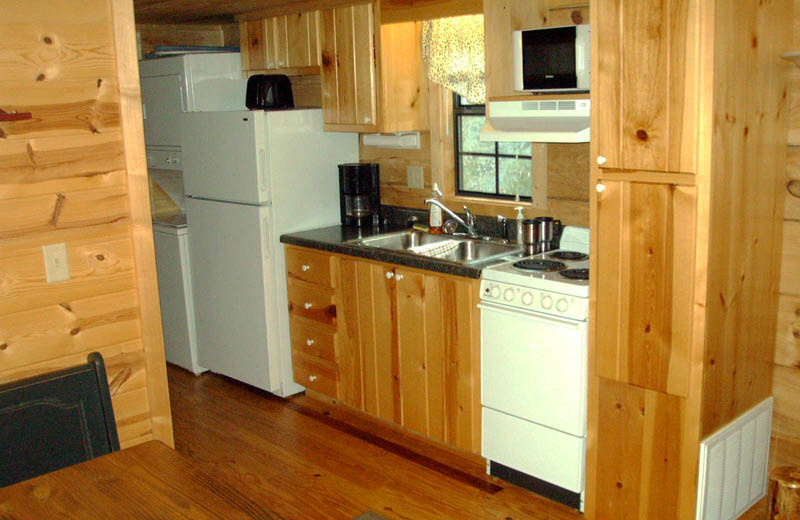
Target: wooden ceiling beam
226, 11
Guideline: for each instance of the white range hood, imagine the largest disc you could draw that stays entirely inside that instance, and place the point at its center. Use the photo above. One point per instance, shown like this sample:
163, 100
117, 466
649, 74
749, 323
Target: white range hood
547, 121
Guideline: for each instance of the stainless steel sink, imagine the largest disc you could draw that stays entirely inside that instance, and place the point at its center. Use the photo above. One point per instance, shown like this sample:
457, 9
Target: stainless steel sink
402, 240
462, 250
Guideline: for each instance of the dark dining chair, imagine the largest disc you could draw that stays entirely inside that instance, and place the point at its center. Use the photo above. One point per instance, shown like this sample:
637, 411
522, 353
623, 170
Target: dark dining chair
55, 420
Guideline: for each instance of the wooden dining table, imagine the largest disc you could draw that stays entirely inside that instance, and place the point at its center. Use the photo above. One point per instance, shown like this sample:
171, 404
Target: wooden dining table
150, 480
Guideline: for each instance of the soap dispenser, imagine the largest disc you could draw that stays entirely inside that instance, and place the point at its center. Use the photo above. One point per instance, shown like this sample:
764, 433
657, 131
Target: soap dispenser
520, 219
435, 215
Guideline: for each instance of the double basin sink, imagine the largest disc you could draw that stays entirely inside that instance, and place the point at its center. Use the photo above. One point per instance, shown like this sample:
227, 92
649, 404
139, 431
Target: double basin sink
459, 249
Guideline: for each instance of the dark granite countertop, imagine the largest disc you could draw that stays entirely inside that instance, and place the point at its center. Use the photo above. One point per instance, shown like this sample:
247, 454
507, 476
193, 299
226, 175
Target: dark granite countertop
335, 239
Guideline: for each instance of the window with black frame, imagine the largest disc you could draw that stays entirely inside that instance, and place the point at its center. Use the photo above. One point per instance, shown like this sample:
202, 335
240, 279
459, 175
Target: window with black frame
487, 168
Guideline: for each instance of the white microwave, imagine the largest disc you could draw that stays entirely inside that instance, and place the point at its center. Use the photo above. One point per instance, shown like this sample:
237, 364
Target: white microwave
551, 59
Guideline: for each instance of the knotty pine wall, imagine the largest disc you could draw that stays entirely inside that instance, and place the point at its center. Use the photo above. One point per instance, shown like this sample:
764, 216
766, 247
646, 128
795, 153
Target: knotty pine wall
786, 379
567, 179
75, 173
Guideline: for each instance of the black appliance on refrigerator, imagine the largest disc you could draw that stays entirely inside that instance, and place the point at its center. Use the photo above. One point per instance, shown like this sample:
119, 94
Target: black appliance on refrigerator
360, 194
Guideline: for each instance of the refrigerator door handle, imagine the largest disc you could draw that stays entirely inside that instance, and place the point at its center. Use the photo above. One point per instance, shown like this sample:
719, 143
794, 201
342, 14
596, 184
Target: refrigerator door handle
265, 227
262, 165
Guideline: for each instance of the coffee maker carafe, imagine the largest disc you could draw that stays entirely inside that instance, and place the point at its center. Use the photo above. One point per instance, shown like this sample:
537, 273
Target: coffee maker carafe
359, 194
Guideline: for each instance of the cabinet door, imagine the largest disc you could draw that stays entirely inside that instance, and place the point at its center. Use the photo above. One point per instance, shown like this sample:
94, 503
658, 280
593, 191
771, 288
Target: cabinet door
404, 87
421, 352
644, 72
644, 276
376, 322
415, 336
296, 38
349, 76
257, 48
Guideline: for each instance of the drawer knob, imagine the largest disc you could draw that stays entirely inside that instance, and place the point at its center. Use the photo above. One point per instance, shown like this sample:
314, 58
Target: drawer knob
601, 160
307, 305
309, 342
389, 275
305, 267
312, 378
600, 188
398, 277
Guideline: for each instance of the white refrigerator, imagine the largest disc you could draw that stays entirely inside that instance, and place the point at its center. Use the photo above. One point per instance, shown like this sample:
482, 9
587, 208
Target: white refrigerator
249, 177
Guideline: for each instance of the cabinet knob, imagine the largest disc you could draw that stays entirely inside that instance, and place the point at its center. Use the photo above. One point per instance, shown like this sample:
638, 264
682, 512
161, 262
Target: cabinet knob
398, 277
305, 267
600, 188
312, 378
601, 160
307, 305
389, 275
309, 342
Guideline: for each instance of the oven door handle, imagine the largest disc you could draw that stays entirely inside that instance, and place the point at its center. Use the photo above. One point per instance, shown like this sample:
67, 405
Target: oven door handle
527, 314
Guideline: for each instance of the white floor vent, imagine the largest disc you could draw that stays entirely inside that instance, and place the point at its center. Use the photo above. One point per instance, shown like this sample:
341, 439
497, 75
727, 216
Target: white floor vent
733, 465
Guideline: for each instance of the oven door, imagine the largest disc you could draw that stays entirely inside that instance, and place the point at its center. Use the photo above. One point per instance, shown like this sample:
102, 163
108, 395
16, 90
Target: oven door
534, 366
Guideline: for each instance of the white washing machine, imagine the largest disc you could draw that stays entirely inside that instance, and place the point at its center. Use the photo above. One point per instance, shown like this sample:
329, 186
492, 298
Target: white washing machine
171, 238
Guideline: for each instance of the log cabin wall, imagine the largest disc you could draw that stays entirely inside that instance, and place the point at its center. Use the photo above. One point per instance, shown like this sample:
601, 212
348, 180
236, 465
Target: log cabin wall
74, 173
786, 377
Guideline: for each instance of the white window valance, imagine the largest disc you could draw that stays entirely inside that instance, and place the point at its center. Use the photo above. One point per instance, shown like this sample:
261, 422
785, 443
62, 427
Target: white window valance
452, 48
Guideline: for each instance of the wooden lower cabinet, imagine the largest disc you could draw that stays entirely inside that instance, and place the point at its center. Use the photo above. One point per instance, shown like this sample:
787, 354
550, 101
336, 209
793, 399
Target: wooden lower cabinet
416, 335
638, 452
645, 275
407, 348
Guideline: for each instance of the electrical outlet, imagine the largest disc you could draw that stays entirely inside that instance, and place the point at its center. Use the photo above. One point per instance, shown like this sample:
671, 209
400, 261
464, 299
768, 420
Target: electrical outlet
416, 177
56, 263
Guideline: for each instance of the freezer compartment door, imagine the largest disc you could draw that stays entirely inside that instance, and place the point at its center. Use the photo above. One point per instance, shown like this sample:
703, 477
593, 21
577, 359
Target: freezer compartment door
234, 291
225, 156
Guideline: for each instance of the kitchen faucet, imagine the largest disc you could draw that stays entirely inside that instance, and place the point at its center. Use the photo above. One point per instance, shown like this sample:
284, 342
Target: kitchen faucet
470, 222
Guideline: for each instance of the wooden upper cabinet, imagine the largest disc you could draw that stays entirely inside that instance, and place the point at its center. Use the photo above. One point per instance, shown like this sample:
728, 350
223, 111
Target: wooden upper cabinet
372, 75
644, 84
349, 71
645, 273
404, 83
288, 43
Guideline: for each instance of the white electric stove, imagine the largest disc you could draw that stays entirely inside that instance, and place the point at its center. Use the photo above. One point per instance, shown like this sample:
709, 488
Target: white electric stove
534, 340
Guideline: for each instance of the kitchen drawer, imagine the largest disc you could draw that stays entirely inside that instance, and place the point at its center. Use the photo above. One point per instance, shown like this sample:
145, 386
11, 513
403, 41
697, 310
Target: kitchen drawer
313, 340
312, 302
315, 374
309, 266
531, 448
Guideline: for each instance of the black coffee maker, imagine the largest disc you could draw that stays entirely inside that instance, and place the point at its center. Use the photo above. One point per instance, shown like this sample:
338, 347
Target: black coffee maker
359, 194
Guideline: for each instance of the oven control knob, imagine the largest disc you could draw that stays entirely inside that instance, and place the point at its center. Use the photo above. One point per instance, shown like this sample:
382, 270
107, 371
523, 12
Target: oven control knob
547, 301
508, 295
562, 304
527, 298
494, 292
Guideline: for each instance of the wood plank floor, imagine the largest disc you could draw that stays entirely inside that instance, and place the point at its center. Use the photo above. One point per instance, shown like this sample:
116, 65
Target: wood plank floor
306, 462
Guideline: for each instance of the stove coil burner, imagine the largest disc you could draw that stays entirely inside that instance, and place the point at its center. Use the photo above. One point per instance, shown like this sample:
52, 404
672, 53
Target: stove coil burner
535, 264
575, 274
568, 255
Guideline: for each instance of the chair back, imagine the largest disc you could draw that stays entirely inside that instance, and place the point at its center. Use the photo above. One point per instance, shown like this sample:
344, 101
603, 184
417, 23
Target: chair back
54, 420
